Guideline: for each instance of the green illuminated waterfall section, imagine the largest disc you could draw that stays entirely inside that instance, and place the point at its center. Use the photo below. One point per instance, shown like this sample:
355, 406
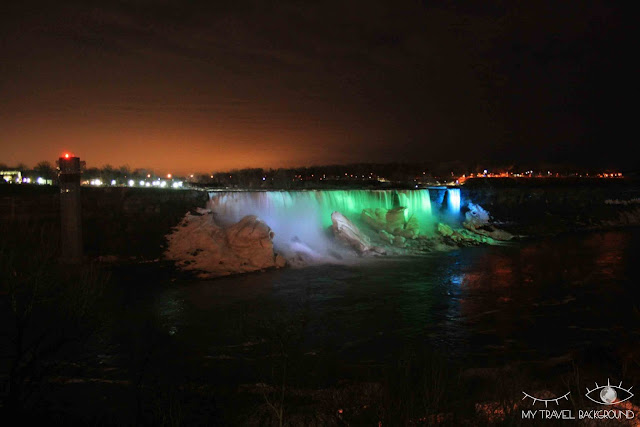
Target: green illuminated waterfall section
351, 202
418, 204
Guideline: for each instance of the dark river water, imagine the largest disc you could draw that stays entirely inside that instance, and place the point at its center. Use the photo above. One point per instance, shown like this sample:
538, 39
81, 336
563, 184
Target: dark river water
572, 297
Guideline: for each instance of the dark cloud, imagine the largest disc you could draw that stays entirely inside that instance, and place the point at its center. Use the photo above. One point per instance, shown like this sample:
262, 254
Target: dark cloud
313, 83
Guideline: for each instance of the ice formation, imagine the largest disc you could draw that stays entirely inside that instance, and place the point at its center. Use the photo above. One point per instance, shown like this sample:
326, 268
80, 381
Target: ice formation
478, 221
201, 245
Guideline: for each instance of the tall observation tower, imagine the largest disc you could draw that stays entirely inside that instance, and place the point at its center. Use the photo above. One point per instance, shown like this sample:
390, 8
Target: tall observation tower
70, 209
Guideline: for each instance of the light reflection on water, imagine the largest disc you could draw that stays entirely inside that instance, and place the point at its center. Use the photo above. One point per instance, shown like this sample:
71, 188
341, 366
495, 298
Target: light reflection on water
528, 300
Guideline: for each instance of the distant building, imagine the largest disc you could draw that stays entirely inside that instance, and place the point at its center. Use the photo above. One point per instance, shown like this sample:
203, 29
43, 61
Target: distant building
11, 177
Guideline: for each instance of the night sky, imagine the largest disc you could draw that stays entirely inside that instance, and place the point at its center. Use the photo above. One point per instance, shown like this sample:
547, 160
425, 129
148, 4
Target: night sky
190, 86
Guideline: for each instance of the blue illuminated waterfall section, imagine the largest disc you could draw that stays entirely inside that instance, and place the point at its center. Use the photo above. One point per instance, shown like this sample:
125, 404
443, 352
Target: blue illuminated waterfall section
453, 196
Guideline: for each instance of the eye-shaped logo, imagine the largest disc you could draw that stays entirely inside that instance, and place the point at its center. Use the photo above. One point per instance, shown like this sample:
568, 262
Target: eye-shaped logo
546, 401
608, 394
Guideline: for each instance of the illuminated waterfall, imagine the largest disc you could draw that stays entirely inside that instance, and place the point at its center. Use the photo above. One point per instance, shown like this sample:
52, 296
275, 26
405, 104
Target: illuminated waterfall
453, 195
233, 205
303, 216
417, 203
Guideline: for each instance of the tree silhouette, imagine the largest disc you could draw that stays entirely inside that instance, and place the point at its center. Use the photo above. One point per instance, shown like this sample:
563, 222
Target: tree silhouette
45, 170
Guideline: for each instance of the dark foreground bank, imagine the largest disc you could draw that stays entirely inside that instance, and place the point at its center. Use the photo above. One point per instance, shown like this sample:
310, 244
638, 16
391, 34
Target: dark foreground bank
454, 338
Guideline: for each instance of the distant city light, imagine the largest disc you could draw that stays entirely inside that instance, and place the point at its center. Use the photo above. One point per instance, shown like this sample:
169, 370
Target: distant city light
40, 180
113, 182
141, 183
169, 175
131, 183
163, 184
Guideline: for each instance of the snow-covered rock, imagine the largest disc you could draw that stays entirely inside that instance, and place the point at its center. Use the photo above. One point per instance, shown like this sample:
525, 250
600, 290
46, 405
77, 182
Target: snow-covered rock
460, 237
477, 220
375, 218
444, 230
395, 220
386, 237
411, 228
399, 241
392, 222
199, 244
347, 232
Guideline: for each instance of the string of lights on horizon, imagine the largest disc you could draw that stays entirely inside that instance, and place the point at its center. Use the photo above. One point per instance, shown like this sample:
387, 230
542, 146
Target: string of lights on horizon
178, 182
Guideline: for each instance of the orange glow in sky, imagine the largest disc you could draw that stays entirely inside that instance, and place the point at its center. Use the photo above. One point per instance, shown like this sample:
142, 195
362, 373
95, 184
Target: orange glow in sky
176, 144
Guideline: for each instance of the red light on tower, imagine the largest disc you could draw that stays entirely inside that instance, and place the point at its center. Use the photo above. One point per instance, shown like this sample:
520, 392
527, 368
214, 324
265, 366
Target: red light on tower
69, 164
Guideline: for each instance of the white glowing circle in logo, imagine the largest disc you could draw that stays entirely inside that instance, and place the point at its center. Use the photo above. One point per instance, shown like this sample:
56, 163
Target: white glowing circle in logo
608, 395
